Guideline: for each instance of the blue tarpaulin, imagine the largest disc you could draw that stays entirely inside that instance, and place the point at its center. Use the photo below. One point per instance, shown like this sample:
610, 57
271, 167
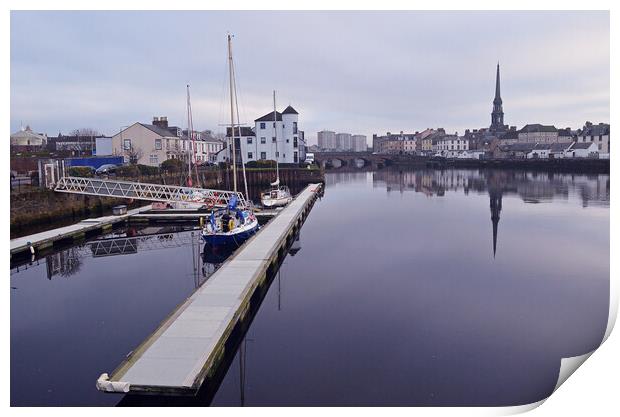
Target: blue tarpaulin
95, 161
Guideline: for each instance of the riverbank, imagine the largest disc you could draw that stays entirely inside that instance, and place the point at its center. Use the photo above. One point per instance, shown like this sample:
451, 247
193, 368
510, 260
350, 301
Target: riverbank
37, 209
568, 165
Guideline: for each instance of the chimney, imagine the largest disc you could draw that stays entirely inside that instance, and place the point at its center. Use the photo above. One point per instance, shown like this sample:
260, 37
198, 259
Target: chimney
160, 122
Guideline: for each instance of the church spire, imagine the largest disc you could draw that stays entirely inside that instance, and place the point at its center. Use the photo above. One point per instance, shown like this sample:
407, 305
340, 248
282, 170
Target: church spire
497, 95
497, 115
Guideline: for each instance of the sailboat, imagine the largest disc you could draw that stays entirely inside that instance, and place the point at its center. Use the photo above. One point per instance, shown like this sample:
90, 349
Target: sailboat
234, 224
278, 195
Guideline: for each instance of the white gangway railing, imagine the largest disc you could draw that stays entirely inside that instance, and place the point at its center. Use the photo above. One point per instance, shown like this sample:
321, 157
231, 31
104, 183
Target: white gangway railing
146, 191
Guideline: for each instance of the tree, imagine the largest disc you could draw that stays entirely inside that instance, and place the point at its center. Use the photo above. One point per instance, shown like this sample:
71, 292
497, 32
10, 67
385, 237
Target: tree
134, 155
85, 132
172, 165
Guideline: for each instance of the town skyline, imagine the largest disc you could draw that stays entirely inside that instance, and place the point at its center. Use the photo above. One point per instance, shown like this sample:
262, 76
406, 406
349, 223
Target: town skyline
337, 87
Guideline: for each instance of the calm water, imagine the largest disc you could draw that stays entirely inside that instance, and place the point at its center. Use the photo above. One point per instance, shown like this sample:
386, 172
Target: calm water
457, 287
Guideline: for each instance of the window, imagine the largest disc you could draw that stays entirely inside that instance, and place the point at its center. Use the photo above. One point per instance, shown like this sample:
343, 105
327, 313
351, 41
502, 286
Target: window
127, 144
263, 155
249, 141
158, 144
294, 142
283, 126
600, 138
153, 159
167, 143
287, 141
273, 139
274, 124
277, 154
295, 157
250, 155
263, 140
283, 155
294, 127
262, 125
591, 138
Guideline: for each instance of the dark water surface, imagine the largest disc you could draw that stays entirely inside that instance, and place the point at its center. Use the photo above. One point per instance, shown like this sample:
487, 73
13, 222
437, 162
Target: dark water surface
456, 287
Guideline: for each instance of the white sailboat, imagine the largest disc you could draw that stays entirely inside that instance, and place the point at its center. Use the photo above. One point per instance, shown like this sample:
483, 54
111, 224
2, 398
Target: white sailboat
234, 224
278, 195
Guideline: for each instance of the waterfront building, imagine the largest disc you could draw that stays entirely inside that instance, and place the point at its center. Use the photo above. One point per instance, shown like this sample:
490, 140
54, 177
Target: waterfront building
582, 150
26, 138
431, 142
518, 150
409, 146
555, 150
359, 143
497, 115
598, 134
343, 142
260, 143
152, 144
326, 140
245, 145
149, 144
391, 143
452, 145
537, 133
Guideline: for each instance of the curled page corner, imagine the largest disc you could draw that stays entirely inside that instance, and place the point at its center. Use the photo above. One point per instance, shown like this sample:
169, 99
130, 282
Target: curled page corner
568, 366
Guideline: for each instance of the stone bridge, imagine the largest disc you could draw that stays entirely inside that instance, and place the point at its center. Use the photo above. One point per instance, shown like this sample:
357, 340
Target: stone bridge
356, 160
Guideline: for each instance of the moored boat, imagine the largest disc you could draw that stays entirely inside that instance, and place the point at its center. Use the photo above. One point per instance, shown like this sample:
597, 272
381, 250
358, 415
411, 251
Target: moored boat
235, 223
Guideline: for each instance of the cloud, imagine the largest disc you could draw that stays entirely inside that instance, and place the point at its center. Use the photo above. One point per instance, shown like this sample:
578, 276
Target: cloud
362, 72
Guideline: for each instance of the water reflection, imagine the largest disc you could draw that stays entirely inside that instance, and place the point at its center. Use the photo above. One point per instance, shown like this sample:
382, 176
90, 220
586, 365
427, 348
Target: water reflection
398, 302
96, 301
532, 187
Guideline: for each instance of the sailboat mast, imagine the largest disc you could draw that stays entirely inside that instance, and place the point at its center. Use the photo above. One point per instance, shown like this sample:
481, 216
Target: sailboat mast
275, 129
189, 133
245, 179
232, 114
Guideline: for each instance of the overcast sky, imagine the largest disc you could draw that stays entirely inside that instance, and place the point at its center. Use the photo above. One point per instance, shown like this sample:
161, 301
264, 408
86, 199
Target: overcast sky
356, 72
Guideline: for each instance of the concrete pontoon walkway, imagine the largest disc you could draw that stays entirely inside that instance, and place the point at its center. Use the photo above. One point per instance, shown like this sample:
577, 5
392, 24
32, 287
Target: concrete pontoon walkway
46, 239
187, 347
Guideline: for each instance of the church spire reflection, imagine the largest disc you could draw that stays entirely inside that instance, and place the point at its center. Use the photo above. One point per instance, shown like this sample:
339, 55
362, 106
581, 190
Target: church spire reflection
495, 198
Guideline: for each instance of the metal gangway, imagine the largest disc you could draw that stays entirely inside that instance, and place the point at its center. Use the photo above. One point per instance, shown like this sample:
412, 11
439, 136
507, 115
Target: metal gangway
146, 191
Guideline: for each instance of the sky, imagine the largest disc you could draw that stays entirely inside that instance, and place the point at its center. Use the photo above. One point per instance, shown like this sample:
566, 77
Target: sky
356, 72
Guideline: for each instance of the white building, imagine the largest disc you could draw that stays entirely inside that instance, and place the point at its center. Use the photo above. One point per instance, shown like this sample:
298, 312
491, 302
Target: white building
26, 137
359, 143
598, 134
409, 146
451, 145
549, 150
327, 140
582, 150
260, 143
343, 141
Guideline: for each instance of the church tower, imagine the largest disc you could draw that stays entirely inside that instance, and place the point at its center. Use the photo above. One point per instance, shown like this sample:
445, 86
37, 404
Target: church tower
497, 115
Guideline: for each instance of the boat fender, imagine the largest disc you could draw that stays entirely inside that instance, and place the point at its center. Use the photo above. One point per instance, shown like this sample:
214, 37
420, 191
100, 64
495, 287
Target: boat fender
104, 384
231, 224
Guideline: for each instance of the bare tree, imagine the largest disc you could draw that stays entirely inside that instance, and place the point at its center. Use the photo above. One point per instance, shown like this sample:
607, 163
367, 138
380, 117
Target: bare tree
84, 132
134, 155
